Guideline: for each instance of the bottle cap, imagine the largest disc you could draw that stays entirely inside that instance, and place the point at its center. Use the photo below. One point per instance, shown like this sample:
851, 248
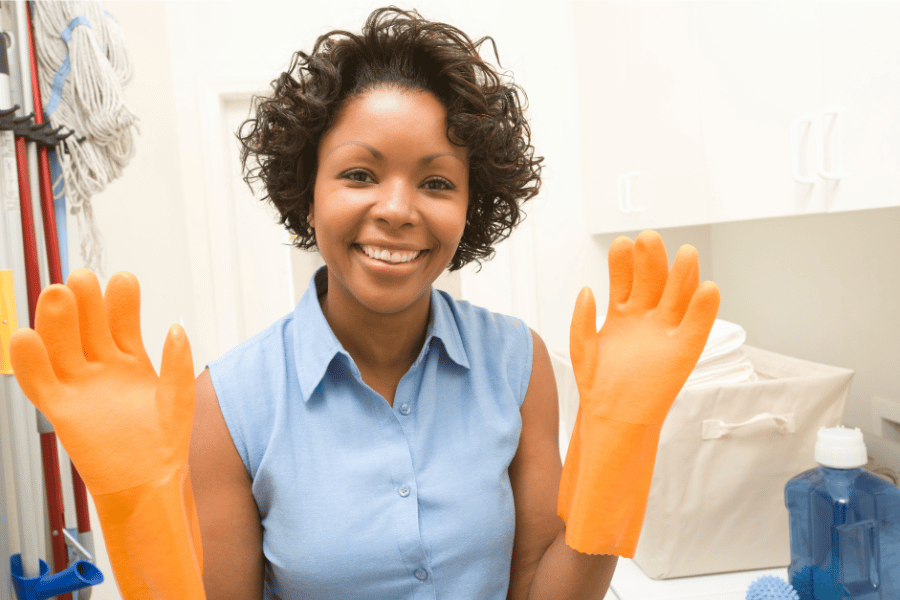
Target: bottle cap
841, 448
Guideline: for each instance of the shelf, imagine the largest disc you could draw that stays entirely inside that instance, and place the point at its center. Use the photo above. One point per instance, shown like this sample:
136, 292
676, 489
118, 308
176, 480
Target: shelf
630, 583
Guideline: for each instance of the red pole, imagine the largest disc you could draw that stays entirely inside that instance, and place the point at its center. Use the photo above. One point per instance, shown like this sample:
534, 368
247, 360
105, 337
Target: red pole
49, 453
32, 275
55, 502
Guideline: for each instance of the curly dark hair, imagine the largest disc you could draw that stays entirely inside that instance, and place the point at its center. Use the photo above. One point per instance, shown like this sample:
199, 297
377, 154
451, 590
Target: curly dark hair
399, 48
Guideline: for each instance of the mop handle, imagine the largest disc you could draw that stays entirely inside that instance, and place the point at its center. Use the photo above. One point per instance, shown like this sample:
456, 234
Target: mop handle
51, 236
46, 189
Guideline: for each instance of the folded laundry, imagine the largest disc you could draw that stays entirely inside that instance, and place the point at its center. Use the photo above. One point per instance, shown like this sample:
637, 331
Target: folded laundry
723, 361
734, 367
724, 338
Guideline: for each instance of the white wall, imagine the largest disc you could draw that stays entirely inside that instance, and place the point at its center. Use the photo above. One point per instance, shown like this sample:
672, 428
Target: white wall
824, 288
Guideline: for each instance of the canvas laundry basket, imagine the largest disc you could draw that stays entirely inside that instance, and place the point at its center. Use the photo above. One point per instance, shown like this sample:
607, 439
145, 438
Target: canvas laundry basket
725, 453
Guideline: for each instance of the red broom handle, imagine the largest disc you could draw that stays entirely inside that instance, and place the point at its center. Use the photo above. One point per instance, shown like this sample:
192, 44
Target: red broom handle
44, 171
48, 440
49, 453
32, 276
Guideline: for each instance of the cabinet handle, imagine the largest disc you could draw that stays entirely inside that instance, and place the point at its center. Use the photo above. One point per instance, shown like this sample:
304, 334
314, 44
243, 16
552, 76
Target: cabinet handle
625, 195
795, 150
820, 143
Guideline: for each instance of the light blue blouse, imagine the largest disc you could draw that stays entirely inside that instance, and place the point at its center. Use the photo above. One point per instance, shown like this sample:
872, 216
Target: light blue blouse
360, 500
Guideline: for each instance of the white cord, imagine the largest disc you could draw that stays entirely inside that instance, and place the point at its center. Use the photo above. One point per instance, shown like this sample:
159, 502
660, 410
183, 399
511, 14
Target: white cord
92, 104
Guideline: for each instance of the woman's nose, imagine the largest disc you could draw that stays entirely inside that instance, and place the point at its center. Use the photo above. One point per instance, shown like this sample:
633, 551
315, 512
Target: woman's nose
396, 205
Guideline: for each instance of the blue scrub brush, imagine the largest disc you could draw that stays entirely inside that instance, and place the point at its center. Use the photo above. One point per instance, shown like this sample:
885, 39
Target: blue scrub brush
769, 587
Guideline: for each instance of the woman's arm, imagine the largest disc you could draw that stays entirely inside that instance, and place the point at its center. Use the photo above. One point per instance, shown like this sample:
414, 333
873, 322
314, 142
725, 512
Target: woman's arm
543, 566
229, 518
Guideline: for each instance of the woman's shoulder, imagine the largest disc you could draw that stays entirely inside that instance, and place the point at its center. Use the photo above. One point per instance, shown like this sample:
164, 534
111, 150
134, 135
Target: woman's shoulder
479, 318
492, 334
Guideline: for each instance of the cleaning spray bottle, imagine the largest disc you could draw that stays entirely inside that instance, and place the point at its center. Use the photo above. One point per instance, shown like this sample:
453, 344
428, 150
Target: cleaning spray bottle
844, 524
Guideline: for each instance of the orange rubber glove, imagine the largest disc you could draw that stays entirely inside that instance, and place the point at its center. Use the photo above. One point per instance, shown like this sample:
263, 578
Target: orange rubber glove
628, 376
126, 430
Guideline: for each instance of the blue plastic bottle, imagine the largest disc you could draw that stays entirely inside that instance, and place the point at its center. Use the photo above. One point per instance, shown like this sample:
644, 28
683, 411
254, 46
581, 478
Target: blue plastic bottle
844, 525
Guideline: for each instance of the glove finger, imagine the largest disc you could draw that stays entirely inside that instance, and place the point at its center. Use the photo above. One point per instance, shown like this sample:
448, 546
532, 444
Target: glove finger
700, 317
56, 321
32, 368
680, 287
175, 395
651, 269
621, 270
123, 309
96, 339
583, 337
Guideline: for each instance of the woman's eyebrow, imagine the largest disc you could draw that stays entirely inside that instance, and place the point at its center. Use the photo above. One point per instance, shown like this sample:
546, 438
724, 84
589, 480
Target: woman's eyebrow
379, 156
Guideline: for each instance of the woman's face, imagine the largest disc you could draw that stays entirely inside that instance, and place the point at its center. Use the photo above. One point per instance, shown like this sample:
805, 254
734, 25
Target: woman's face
391, 196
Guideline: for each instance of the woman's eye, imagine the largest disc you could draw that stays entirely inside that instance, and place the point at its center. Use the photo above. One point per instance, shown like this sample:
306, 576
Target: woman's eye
356, 175
443, 183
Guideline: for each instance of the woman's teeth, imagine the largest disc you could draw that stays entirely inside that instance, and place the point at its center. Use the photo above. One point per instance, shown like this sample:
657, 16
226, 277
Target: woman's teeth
388, 256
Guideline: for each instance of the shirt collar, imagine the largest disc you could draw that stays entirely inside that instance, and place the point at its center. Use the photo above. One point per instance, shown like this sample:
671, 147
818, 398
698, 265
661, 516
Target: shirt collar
316, 346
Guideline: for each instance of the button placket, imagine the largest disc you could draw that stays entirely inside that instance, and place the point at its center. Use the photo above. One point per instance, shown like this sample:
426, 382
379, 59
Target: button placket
404, 478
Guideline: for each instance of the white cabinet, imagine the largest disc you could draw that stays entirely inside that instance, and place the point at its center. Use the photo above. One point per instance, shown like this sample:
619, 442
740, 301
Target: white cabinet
760, 71
861, 58
637, 65
707, 112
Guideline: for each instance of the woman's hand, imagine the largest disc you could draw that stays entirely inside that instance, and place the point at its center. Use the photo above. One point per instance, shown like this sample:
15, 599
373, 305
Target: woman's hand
85, 368
656, 328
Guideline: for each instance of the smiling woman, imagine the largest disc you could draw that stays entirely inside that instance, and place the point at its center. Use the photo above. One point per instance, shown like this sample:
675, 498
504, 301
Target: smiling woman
398, 154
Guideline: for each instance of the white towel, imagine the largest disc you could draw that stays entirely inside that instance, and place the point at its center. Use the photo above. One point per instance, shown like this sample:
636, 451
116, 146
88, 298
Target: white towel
733, 367
723, 361
725, 337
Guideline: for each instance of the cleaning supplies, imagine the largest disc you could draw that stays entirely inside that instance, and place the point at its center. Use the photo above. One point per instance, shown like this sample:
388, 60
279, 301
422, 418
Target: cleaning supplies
844, 524
84, 68
769, 587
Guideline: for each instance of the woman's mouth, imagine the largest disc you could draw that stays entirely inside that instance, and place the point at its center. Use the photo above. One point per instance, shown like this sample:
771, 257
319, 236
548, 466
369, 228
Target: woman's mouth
394, 257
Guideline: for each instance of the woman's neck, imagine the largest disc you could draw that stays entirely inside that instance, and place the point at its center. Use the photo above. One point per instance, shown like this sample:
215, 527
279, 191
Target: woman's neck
382, 344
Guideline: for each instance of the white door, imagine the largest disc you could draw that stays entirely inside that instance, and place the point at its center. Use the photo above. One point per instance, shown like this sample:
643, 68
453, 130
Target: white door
266, 276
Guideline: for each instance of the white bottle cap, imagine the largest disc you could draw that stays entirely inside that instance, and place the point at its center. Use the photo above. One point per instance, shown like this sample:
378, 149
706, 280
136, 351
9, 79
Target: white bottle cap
841, 448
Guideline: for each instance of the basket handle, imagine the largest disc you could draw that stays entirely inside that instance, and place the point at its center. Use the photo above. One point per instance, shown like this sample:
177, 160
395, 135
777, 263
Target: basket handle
716, 428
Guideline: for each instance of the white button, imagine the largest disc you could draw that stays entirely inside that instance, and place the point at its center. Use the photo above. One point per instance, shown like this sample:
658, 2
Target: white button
404, 409
404, 490
421, 574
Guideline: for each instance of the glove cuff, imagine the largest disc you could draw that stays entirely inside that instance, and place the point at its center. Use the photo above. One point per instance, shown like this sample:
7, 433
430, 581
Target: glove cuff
152, 536
605, 484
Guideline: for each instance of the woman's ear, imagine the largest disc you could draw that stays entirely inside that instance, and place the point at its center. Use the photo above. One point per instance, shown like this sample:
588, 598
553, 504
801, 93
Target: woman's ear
309, 218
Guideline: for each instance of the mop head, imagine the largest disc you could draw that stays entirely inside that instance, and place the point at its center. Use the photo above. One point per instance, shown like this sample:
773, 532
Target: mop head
83, 67
769, 587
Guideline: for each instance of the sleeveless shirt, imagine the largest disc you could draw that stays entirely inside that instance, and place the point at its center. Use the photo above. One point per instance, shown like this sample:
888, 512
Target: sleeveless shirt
361, 500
